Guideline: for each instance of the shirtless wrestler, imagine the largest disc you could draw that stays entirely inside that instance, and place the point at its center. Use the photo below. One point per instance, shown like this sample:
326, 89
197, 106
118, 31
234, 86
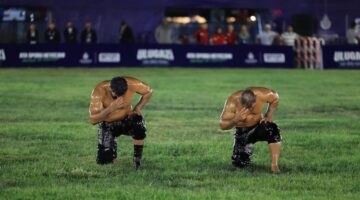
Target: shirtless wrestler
243, 110
111, 109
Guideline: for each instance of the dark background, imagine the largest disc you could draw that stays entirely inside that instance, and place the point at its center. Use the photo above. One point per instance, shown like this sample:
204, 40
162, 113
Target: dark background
144, 15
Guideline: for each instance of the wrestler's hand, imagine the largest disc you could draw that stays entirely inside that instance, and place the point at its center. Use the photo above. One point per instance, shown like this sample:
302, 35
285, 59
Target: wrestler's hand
241, 115
118, 104
266, 119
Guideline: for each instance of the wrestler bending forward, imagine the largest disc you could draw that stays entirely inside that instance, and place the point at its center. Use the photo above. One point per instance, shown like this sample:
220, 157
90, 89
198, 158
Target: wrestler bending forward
243, 111
111, 109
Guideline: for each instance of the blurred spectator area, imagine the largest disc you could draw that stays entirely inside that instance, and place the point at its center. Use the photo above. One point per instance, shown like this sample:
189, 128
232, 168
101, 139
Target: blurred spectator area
15, 22
186, 21
144, 16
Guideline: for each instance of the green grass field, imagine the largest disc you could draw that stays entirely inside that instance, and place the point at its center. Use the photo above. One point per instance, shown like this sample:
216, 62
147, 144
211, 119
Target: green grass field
48, 148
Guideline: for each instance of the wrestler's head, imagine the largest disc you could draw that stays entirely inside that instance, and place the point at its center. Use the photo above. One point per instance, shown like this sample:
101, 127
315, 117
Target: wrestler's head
118, 86
247, 98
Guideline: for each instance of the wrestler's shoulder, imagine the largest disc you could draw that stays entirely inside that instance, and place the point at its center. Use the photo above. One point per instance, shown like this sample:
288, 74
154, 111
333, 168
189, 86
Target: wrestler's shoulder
255, 89
103, 83
100, 87
262, 91
235, 96
130, 79
134, 83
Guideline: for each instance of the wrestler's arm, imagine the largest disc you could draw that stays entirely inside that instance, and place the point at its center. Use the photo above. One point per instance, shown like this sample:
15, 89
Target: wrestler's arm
144, 90
228, 115
271, 97
97, 111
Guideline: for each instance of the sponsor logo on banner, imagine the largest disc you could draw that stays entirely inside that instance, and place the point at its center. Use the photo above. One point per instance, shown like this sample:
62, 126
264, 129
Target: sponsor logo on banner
347, 58
251, 58
155, 56
109, 57
274, 58
340, 56
204, 57
86, 58
28, 57
2, 55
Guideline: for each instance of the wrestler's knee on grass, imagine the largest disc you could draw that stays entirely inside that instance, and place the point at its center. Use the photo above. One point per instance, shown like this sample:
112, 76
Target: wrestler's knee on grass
105, 155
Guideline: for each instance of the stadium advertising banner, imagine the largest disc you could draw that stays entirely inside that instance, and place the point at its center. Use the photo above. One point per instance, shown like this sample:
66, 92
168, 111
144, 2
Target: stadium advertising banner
341, 57
145, 55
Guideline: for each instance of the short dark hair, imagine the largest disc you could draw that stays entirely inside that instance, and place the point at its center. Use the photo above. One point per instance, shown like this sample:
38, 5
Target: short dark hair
118, 85
247, 98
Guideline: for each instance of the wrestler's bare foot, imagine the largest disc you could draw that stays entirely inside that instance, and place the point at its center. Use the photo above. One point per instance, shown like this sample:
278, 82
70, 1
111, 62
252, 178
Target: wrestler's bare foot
275, 169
